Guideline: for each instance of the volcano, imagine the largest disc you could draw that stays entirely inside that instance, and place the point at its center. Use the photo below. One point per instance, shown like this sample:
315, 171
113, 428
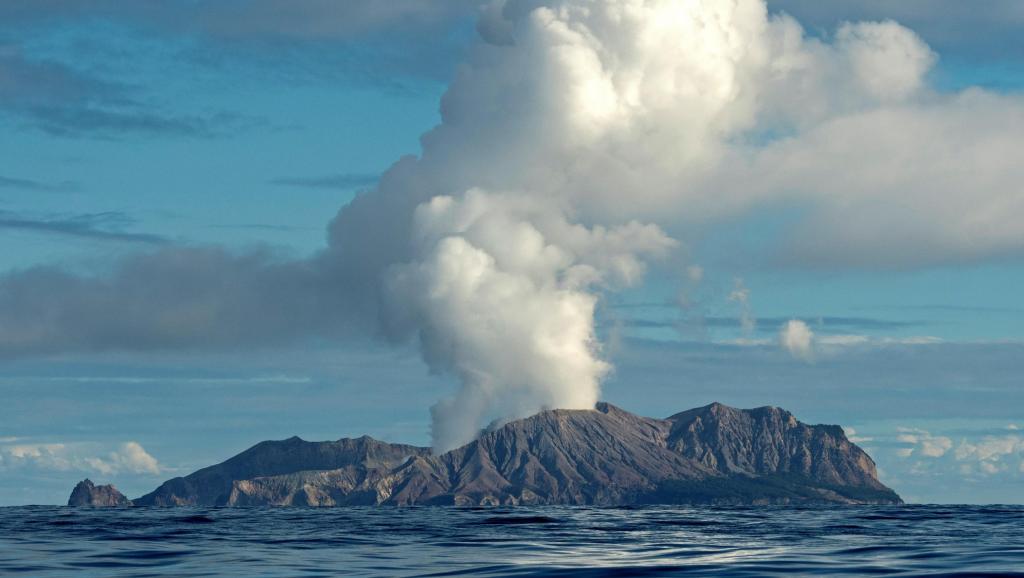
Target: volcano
607, 457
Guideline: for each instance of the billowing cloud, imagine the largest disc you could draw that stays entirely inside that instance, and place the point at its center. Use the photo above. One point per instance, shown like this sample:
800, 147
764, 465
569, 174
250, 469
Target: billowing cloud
499, 293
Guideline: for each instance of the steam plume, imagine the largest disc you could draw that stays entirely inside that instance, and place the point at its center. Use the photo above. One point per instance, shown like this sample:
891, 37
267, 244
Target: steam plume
500, 293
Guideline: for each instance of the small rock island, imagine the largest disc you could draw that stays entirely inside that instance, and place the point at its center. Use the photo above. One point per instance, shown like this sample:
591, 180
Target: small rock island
607, 456
87, 493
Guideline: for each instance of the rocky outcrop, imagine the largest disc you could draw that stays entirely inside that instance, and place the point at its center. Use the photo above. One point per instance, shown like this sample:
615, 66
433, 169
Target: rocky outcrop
88, 494
606, 456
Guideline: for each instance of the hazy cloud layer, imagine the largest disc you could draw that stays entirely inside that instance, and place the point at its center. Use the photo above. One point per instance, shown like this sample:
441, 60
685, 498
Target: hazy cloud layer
128, 457
381, 43
176, 298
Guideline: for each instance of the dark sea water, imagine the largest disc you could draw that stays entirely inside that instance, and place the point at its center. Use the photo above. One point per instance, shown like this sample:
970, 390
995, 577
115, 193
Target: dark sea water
550, 541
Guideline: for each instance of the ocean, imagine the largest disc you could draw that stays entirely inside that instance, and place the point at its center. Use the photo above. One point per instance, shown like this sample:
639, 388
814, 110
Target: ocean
45, 541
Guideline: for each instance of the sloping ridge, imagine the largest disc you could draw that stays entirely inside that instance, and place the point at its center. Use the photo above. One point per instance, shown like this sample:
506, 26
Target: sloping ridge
213, 485
606, 456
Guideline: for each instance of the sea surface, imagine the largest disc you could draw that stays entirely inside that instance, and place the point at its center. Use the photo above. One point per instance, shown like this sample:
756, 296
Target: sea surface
550, 541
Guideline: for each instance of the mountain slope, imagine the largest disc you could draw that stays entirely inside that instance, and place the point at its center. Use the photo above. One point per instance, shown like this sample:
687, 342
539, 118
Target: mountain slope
605, 456
214, 486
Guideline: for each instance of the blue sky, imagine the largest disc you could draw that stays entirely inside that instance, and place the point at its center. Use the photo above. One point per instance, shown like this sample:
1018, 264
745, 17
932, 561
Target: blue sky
125, 131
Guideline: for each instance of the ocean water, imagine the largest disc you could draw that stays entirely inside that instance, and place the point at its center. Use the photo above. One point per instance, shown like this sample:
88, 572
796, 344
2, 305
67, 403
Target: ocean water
549, 541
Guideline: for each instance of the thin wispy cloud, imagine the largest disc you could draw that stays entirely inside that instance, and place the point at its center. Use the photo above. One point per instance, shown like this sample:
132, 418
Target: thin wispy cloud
266, 227
59, 100
8, 182
344, 181
106, 226
77, 121
771, 324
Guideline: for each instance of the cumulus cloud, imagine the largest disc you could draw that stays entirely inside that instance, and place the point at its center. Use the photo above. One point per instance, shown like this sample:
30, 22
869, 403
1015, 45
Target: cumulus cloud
720, 107
128, 457
851, 434
972, 456
923, 443
798, 339
888, 59
991, 449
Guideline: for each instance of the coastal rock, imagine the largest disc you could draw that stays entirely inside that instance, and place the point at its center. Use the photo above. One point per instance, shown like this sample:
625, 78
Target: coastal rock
88, 494
606, 456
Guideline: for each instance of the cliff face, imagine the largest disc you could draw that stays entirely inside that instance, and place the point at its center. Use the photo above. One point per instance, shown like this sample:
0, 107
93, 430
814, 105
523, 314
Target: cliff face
769, 440
713, 454
88, 494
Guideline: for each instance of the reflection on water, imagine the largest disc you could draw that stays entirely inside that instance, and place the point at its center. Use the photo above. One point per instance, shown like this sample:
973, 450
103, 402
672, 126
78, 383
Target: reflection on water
423, 541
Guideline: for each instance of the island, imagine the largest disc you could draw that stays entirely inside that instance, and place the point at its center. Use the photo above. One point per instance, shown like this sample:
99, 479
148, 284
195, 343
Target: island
605, 457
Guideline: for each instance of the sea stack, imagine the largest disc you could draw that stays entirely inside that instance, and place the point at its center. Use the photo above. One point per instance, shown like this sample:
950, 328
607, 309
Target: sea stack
88, 494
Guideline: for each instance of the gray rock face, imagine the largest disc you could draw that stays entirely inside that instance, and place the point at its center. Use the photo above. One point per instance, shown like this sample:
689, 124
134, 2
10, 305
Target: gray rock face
606, 456
88, 494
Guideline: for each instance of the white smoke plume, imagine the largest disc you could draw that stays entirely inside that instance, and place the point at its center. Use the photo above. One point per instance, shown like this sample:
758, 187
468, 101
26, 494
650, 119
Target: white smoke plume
740, 295
500, 294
